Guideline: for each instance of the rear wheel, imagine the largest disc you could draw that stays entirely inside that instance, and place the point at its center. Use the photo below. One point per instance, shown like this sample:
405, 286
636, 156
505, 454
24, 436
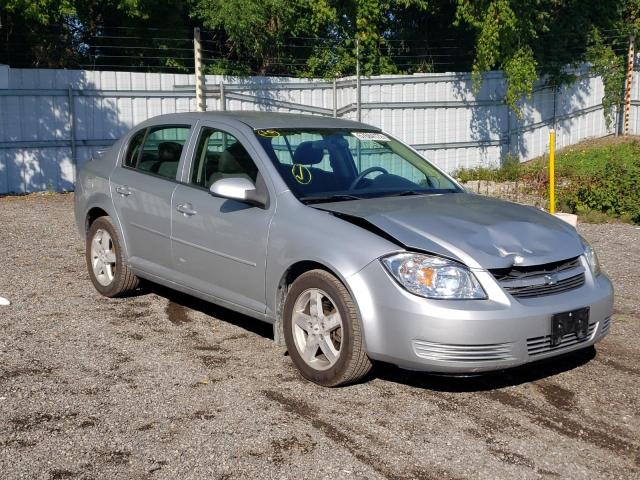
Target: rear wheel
323, 332
107, 269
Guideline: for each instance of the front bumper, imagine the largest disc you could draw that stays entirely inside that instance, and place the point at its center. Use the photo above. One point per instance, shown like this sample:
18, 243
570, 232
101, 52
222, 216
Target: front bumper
468, 336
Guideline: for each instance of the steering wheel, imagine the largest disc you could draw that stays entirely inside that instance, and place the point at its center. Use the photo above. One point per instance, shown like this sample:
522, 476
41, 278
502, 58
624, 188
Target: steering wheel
363, 174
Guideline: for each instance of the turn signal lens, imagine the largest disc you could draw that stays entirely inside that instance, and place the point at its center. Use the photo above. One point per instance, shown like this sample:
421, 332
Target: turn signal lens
425, 276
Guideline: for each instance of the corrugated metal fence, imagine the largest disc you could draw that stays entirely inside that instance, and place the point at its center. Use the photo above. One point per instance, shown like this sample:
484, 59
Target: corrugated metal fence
51, 121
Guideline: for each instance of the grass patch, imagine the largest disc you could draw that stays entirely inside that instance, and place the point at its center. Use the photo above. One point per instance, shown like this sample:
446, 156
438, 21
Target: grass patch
597, 179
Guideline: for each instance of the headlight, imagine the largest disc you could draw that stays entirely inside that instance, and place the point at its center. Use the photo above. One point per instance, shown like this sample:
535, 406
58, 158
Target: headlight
592, 258
433, 277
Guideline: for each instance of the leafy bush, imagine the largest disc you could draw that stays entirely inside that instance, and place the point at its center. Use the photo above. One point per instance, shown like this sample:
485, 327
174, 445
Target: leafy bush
509, 171
594, 177
614, 189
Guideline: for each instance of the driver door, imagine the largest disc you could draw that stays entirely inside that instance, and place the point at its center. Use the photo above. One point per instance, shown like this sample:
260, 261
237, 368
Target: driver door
219, 245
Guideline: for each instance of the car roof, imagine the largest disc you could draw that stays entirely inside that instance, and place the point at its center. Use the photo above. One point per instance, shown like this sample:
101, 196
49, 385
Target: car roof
265, 120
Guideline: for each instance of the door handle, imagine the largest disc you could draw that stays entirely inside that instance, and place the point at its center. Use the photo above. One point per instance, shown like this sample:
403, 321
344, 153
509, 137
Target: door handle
124, 190
185, 209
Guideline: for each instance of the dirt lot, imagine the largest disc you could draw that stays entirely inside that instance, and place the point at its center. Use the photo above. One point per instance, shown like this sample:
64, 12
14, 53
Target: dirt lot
164, 386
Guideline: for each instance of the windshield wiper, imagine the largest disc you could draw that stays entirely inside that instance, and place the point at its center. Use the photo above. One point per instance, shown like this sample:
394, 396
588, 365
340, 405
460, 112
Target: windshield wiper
328, 198
406, 193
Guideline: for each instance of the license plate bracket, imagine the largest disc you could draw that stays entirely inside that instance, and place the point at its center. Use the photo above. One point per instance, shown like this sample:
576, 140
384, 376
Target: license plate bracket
575, 321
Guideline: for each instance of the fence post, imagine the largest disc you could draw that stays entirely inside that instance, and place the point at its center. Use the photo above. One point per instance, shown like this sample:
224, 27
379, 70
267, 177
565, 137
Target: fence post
72, 133
358, 111
201, 103
552, 171
223, 100
335, 98
508, 139
629, 81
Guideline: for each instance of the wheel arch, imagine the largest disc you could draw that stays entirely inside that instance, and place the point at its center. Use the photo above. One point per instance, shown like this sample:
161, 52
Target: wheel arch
287, 278
92, 215
102, 206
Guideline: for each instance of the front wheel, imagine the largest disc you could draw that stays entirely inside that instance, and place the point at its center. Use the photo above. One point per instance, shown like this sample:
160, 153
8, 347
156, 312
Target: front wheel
107, 269
323, 332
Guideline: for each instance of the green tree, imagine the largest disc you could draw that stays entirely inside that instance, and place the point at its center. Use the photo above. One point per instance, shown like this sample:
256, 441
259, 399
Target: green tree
250, 36
38, 33
72, 33
528, 39
325, 34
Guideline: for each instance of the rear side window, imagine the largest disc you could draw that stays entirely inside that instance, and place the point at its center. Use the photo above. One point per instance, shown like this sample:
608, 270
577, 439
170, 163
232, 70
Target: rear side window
158, 152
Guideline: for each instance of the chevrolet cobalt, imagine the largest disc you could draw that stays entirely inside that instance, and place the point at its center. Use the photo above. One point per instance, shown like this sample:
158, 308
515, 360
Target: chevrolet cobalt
347, 240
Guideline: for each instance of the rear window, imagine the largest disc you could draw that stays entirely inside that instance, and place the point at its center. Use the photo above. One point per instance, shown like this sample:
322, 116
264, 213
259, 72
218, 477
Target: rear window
157, 150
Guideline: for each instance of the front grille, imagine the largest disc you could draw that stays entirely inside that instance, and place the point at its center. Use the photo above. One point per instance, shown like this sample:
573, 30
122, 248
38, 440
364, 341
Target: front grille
605, 325
462, 353
540, 280
539, 345
547, 289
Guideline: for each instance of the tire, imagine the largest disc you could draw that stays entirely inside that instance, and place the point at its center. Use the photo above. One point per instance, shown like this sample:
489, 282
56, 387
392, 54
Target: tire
117, 279
308, 328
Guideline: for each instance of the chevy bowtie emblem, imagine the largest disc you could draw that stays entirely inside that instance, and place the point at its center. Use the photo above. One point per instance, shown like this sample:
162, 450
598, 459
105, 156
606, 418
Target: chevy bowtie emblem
551, 279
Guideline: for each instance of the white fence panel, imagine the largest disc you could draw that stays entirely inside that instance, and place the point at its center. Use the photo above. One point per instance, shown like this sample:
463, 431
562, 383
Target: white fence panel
42, 138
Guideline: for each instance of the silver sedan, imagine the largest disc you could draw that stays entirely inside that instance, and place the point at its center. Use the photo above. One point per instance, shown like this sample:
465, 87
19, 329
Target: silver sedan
349, 242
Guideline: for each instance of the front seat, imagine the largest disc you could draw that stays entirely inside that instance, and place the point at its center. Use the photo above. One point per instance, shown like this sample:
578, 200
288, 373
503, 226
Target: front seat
310, 154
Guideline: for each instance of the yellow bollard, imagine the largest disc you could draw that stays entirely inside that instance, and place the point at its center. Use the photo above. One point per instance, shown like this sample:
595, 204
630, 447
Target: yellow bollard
552, 171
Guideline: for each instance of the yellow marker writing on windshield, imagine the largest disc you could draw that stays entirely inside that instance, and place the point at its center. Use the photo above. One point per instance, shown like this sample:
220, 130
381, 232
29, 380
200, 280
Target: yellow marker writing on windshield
268, 133
301, 173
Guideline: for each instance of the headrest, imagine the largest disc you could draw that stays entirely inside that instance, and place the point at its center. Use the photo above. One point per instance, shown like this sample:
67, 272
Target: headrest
169, 151
309, 153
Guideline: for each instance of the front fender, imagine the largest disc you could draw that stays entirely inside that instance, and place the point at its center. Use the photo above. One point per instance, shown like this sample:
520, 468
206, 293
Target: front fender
299, 233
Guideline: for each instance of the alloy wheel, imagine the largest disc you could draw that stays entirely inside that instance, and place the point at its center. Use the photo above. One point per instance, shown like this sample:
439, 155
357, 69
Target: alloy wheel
103, 257
317, 329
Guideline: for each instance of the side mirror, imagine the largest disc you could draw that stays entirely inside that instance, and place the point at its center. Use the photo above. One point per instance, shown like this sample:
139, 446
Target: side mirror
238, 188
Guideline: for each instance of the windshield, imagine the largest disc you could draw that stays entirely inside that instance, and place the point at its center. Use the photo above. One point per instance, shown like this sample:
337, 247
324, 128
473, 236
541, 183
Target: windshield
335, 165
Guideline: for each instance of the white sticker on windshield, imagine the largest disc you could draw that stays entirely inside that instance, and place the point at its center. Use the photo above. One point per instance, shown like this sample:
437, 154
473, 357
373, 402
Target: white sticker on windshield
376, 137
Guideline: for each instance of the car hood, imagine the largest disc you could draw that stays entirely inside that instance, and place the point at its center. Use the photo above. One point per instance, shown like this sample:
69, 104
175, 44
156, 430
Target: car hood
479, 231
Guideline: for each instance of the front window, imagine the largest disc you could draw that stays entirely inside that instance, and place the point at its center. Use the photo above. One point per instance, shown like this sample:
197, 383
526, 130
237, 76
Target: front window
340, 164
220, 155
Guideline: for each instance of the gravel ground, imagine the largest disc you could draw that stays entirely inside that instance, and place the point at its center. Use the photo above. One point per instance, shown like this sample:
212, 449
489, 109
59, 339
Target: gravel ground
165, 386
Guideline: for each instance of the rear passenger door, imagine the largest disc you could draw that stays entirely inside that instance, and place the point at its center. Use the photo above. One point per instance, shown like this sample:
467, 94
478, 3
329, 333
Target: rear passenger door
142, 187
219, 245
